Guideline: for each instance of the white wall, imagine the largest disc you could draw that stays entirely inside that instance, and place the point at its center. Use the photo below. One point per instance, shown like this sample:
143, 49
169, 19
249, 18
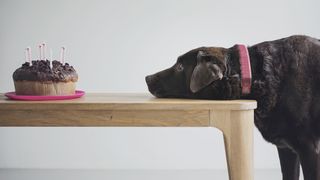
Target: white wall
113, 44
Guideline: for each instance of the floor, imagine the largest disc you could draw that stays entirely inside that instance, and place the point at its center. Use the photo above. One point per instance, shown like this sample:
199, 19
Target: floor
36, 174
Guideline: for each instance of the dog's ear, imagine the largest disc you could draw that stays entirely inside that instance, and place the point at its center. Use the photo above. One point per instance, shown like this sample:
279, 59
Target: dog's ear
205, 72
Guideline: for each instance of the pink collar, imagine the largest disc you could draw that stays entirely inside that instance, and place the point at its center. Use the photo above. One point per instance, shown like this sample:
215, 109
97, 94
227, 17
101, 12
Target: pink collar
245, 68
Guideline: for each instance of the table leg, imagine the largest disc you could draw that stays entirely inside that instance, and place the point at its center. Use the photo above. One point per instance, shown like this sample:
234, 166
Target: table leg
237, 128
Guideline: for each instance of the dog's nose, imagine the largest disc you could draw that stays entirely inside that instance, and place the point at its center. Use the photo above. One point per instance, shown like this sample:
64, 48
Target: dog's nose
149, 79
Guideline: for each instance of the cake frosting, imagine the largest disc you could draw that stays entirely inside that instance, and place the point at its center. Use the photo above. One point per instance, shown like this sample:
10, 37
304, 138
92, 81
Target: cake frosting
40, 70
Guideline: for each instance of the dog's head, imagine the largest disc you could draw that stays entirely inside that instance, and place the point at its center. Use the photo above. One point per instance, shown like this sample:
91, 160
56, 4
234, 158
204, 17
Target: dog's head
200, 73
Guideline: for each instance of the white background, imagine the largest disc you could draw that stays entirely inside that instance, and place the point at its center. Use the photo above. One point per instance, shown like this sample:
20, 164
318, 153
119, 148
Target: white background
114, 44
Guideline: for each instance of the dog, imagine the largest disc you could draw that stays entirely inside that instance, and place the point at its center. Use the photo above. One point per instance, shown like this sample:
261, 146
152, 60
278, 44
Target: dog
283, 76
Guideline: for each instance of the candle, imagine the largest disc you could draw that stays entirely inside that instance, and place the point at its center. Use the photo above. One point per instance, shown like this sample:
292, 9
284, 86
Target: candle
30, 56
40, 52
44, 51
26, 55
51, 59
62, 53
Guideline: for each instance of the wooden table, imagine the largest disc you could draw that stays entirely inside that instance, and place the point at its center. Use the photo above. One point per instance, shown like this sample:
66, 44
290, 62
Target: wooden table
233, 118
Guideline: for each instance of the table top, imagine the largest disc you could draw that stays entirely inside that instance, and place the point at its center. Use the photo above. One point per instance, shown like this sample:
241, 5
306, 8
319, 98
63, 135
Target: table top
121, 101
122, 109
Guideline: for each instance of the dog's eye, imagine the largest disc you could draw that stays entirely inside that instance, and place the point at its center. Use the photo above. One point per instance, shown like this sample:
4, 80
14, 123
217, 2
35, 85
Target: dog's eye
179, 67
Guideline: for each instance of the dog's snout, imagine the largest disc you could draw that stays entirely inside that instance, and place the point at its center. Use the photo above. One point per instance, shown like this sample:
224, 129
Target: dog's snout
149, 79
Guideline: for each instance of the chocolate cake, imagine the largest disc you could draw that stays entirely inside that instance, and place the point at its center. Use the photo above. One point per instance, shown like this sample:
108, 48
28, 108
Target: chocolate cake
39, 78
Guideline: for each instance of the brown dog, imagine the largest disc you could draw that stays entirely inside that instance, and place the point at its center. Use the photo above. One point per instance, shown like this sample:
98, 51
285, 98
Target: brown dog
285, 82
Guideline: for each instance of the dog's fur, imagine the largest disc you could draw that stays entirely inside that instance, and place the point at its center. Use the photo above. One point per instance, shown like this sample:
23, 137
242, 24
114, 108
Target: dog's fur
286, 85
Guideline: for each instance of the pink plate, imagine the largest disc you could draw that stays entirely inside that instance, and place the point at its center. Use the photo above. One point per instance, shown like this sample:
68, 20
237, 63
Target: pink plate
13, 96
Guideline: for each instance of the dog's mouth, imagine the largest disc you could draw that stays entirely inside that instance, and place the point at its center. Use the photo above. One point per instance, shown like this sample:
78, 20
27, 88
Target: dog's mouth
156, 91
158, 94
154, 87
161, 93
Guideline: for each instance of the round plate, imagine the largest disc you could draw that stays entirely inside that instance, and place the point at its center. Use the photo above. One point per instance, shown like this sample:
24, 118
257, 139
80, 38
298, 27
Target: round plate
13, 96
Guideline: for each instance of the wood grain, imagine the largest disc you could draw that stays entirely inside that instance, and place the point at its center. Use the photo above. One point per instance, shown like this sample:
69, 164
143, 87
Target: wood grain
237, 128
141, 118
